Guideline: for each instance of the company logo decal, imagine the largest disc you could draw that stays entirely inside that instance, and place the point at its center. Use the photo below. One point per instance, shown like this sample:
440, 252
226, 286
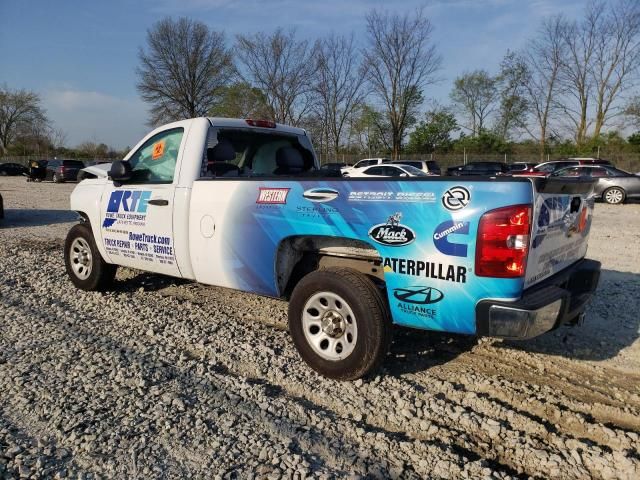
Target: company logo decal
441, 238
418, 295
320, 194
392, 233
424, 197
133, 201
426, 269
273, 196
456, 198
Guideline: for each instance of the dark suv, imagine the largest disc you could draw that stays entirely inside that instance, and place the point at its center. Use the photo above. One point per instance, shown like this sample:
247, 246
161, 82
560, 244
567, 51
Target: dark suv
479, 168
63, 170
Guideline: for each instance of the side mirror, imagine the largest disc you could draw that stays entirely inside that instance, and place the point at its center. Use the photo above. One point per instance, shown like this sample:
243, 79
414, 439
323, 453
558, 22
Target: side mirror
120, 171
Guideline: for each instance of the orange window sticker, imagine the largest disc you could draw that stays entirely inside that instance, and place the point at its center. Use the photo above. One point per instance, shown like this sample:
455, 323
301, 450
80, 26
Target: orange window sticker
158, 150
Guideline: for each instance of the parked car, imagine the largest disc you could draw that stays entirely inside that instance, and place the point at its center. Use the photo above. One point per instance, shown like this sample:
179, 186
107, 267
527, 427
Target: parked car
479, 168
12, 169
521, 166
63, 170
613, 185
547, 168
353, 256
367, 162
84, 173
333, 166
389, 170
430, 167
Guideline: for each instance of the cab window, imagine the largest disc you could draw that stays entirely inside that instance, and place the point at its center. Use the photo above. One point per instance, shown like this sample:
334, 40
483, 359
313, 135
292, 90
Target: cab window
155, 161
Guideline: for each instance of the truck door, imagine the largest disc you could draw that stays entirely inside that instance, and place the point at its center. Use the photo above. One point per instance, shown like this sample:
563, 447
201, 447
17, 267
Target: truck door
137, 216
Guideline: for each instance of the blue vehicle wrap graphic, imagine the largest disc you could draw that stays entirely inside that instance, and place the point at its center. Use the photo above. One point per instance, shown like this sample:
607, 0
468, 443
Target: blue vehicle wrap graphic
430, 282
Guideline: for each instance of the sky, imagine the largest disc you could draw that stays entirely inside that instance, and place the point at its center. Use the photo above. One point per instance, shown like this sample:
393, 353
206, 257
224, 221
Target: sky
81, 56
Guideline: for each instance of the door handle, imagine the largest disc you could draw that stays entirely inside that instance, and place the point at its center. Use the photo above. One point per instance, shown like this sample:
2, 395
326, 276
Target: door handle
159, 202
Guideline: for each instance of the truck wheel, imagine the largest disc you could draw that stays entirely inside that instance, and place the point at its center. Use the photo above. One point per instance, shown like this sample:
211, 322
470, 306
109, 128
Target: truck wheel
339, 323
85, 266
613, 195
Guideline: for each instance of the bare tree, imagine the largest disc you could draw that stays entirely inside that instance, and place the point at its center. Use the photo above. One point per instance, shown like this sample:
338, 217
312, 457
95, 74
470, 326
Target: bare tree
339, 84
543, 58
512, 112
182, 70
282, 67
580, 39
616, 59
401, 61
20, 110
475, 95
56, 137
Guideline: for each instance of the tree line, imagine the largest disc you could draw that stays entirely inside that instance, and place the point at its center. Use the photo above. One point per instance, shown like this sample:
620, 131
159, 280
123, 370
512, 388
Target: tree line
574, 79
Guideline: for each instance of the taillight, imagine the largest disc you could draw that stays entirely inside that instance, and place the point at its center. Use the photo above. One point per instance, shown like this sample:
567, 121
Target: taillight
503, 242
260, 123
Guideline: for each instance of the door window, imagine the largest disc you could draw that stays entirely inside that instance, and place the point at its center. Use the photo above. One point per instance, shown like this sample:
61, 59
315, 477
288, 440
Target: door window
155, 161
374, 171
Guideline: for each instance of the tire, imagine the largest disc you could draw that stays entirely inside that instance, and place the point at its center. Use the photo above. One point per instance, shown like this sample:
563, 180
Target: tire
3, 173
56, 178
614, 196
85, 266
339, 323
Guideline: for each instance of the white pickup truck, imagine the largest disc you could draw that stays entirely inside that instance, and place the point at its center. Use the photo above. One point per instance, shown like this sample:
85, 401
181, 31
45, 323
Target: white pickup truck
241, 204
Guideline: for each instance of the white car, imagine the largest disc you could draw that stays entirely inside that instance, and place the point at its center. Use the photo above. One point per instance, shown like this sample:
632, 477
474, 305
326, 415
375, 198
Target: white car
367, 162
387, 170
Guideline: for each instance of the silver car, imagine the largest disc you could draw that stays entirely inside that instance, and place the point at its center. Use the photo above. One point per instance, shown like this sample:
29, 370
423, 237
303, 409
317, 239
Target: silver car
614, 186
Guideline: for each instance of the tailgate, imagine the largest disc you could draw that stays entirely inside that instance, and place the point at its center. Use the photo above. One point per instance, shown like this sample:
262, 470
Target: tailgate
562, 213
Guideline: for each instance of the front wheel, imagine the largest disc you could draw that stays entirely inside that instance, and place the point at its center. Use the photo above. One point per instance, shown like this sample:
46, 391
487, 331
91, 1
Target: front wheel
339, 323
85, 266
613, 195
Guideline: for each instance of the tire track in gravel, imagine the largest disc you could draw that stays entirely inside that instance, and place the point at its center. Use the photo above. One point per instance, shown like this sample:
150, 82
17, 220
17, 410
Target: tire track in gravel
432, 410
586, 400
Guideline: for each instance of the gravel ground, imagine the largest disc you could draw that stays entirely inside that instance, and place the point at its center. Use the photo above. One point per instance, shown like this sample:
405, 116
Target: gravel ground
162, 378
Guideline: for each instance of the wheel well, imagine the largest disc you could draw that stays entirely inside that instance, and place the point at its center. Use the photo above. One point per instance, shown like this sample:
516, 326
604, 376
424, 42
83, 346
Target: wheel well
297, 256
83, 217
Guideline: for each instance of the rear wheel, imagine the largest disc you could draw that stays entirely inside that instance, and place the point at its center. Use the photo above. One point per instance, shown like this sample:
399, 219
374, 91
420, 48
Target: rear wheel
613, 195
85, 266
339, 323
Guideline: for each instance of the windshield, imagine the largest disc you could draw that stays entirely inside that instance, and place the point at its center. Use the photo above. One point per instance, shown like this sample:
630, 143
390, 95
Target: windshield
414, 171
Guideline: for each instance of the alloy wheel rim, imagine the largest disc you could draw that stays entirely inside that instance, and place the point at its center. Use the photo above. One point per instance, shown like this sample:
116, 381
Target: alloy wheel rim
614, 196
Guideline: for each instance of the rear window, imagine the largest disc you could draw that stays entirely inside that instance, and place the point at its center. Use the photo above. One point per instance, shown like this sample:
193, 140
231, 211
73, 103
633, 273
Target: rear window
432, 165
73, 163
256, 151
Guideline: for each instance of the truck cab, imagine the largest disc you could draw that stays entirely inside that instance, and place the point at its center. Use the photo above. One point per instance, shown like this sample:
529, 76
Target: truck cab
241, 204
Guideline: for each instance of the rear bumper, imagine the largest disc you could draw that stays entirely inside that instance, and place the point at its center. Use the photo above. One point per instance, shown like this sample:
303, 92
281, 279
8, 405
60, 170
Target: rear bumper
543, 307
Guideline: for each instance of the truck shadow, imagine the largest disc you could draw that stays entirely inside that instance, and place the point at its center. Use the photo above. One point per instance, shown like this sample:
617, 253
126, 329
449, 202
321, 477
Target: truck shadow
415, 350
21, 217
612, 323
